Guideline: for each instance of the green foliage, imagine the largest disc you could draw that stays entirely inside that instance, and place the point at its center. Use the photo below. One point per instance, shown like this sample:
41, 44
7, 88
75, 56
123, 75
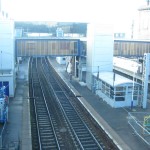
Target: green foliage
79, 28
34, 28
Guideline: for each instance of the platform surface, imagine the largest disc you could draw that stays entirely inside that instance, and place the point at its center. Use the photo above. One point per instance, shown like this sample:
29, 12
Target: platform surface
114, 120
18, 130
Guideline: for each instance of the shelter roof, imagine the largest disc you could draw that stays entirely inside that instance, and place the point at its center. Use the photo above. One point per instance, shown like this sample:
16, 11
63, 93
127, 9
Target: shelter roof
113, 80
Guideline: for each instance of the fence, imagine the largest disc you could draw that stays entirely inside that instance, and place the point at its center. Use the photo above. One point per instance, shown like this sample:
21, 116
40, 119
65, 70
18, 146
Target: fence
140, 122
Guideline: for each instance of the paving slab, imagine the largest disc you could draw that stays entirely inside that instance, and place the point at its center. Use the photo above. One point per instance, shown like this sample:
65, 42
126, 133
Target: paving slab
18, 130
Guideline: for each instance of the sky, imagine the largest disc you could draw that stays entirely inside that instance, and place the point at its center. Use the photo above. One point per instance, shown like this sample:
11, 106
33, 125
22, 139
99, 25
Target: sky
119, 13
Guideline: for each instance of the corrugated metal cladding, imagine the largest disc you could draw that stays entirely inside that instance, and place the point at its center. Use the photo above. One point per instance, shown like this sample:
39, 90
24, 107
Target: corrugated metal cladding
131, 48
41, 47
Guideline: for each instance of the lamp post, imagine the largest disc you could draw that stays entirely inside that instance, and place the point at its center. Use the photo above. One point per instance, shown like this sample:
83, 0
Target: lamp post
1, 67
135, 70
132, 92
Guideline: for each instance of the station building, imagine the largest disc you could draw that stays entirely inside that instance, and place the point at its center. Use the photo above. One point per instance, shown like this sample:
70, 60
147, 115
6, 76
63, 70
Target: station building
94, 65
7, 53
144, 21
116, 90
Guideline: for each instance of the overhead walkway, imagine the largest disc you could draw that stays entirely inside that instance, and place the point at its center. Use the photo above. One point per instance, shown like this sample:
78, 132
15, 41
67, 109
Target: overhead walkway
46, 46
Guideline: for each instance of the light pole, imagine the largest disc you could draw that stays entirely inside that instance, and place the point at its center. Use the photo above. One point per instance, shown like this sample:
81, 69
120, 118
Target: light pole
132, 92
135, 70
1, 67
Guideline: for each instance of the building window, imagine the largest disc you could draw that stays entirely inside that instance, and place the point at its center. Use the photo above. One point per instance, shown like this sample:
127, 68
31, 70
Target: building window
103, 87
111, 92
136, 92
120, 88
119, 98
120, 93
107, 89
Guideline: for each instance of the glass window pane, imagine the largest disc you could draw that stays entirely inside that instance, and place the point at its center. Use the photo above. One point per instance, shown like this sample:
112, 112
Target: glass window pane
119, 99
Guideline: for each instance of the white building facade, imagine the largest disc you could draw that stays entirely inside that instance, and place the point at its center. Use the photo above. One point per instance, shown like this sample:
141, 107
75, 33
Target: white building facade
117, 90
114, 89
144, 22
99, 50
7, 53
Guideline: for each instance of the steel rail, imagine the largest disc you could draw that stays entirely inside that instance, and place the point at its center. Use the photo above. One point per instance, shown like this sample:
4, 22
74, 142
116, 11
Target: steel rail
83, 134
60, 111
42, 89
46, 133
35, 144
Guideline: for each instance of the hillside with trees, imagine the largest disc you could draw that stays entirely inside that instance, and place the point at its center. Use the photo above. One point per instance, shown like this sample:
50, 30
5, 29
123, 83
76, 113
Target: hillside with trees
30, 27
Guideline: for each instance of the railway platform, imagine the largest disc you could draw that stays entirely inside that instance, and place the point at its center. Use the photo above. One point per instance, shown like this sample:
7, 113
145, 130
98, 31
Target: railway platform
17, 132
113, 120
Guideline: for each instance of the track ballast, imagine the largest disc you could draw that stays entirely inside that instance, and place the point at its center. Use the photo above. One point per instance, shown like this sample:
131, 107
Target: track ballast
58, 121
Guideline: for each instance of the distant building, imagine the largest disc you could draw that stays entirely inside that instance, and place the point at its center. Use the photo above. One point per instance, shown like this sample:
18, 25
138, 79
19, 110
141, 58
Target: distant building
7, 53
144, 21
3, 10
18, 32
59, 32
119, 35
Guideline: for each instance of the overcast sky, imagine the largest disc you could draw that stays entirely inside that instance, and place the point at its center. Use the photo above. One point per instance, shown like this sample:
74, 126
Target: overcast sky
120, 13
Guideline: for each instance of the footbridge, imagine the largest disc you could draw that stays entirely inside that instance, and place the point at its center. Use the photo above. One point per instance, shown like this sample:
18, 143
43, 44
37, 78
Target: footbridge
45, 46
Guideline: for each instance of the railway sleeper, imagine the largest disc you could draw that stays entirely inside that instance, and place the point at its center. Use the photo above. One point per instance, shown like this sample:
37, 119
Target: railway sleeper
77, 126
44, 125
46, 130
49, 140
90, 142
44, 121
42, 116
50, 143
50, 147
93, 148
46, 133
85, 138
80, 128
83, 135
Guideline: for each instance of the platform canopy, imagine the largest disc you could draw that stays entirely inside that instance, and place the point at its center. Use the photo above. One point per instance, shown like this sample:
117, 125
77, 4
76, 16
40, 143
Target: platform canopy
113, 79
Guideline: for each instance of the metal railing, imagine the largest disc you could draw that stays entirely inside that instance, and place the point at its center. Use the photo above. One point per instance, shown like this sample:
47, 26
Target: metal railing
136, 121
1, 135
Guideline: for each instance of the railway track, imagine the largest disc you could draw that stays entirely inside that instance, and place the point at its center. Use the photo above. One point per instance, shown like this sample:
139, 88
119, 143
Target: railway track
57, 115
43, 126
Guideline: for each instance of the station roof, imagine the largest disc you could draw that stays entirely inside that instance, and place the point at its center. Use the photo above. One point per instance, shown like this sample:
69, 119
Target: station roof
108, 77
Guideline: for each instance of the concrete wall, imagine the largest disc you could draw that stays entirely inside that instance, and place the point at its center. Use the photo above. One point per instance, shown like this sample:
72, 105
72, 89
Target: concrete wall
4, 9
144, 23
7, 54
6, 45
99, 50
